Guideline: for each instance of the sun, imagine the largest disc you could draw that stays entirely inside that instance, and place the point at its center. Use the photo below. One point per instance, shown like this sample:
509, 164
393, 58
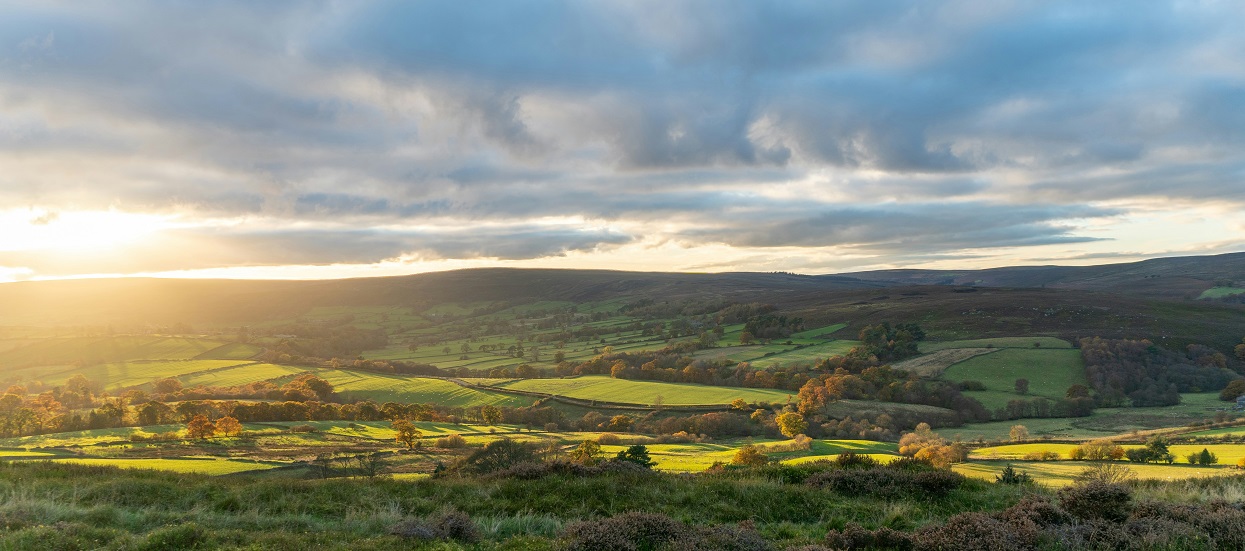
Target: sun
34, 230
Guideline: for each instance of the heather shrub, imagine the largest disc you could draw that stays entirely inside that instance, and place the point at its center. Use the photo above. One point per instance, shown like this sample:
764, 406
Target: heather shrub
853, 460
853, 537
972, 532
625, 532
723, 537
446, 524
887, 483
1096, 500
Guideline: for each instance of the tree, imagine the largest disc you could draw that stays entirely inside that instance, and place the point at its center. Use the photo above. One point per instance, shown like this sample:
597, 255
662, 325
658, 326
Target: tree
1240, 351
739, 403
1098, 450
750, 456
200, 427
746, 338
637, 454
620, 423
1019, 433
1022, 386
167, 386
228, 426
490, 414
1077, 391
586, 453
791, 424
154, 413
406, 433
1235, 389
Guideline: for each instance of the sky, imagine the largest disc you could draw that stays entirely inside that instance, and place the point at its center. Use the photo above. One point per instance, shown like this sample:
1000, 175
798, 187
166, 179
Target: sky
345, 139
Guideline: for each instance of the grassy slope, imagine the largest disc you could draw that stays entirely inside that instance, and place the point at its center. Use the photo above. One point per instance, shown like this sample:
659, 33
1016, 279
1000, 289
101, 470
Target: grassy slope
645, 392
1103, 422
396, 388
1220, 292
1050, 373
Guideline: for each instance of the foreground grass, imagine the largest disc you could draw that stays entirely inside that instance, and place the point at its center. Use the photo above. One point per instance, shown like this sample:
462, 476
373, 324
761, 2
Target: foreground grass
56, 506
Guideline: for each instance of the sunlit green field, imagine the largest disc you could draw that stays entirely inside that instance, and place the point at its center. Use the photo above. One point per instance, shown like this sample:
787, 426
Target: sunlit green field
1063, 473
1228, 454
607, 389
134, 373
240, 375
413, 390
1103, 422
198, 466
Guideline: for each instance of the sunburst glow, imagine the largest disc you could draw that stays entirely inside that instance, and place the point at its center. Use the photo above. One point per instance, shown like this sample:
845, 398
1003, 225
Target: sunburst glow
36, 230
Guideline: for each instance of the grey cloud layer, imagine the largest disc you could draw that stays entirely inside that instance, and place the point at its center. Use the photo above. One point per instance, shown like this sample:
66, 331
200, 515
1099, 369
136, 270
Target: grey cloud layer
908, 117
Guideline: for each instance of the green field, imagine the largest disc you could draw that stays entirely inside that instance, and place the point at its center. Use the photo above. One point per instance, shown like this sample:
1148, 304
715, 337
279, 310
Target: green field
231, 351
1063, 473
1050, 372
607, 389
1221, 292
197, 466
382, 388
129, 374
1228, 454
997, 342
240, 375
1103, 422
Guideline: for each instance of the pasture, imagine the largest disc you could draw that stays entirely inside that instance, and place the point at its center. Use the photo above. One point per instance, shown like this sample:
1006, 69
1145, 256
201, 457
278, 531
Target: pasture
1221, 292
1063, 473
95, 350
380, 388
606, 389
1050, 372
996, 342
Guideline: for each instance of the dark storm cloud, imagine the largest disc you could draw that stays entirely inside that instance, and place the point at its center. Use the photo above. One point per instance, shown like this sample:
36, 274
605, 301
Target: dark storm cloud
438, 114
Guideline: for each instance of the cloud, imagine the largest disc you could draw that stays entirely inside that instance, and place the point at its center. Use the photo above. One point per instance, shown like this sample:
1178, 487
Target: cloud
363, 131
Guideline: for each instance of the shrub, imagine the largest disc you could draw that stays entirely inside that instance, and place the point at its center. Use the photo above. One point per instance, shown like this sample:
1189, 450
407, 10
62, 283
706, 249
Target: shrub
625, 532
302, 428
1108, 473
455, 525
853, 537
1011, 476
1098, 450
181, 536
609, 439
1044, 455
638, 455
723, 537
495, 456
887, 483
853, 460
972, 532
447, 524
451, 442
1096, 500
750, 456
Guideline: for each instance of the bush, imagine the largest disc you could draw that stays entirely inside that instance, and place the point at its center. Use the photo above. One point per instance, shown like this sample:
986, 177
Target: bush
452, 441
495, 456
625, 532
182, 536
1011, 476
1108, 473
446, 524
749, 456
853, 537
609, 439
887, 483
1096, 500
1044, 455
974, 532
853, 460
